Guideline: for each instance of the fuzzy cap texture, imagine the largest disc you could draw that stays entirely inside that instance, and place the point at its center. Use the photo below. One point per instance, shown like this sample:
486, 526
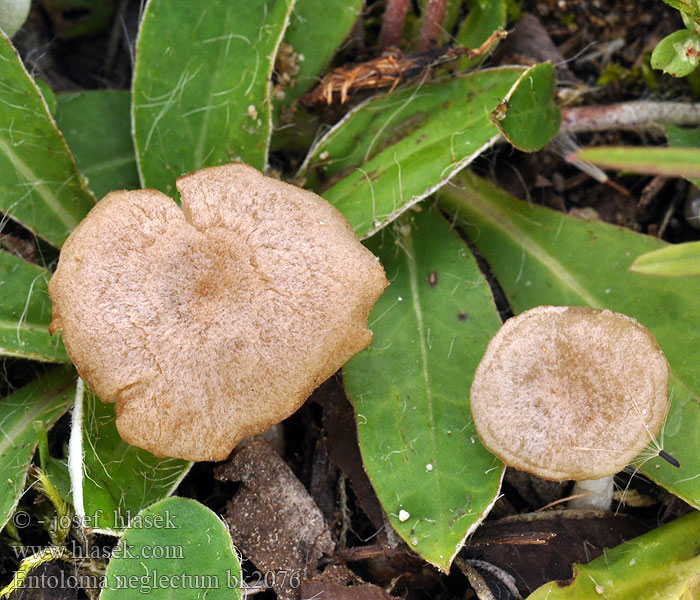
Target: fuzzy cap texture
214, 322
568, 392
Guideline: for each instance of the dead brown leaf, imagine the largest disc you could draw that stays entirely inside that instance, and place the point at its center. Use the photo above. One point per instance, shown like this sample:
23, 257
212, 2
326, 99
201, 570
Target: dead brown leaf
273, 520
326, 590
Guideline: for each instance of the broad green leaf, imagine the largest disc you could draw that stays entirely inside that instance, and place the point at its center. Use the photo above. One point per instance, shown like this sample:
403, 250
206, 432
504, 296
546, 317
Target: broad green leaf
120, 480
545, 257
316, 29
175, 549
49, 96
677, 260
528, 117
661, 564
485, 17
97, 127
670, 162
40, 186
395, 150
25, 312
410, 388
201, 85
690, 11
44, 400
677, 54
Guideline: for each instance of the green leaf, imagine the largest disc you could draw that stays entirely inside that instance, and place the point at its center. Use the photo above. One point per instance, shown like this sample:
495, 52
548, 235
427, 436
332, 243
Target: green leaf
43, 400
25, 312
97, 127
395, 150
677, 260
40, 186
528, 117
120, 480
201, 85
677, 54
692, 20
684, 137
658, 564
410, 388
690, 11
485, 17
49, 96
316, 29
545, 257
175, 548
646, 160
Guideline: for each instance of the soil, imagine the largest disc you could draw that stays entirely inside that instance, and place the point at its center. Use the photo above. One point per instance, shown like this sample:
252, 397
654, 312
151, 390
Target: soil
601, 49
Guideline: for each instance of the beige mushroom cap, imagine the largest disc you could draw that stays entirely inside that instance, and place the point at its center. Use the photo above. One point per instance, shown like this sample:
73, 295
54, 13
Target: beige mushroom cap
214, 322
570, 392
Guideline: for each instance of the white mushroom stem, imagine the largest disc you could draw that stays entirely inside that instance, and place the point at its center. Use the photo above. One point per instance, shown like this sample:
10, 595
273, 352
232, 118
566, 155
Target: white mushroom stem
75, 452
593, 494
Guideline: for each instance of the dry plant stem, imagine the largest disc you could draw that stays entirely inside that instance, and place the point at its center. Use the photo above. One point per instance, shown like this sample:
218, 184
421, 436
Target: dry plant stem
560, 501
640, 117
386, 72
533, 538
357, 553
667, 217
115, 35
651, 191
394, 17
432, 24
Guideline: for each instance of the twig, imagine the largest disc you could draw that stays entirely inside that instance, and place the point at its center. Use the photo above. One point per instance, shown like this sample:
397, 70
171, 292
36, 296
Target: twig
394, 17
640, 117
432, 24
650, 191
662, 229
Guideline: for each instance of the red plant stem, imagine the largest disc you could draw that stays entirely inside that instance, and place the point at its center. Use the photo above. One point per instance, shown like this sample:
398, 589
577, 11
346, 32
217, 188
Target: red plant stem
641, 117
432, 25
394, 17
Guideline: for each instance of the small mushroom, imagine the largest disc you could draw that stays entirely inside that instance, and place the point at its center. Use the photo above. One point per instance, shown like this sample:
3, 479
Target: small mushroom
568, 392
214, 322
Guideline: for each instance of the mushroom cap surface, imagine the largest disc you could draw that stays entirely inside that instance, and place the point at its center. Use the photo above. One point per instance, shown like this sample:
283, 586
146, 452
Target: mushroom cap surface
214, 322
568, 392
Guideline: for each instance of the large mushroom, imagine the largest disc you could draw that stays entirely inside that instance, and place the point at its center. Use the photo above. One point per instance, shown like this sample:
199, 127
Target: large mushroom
568, 392
214, 322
